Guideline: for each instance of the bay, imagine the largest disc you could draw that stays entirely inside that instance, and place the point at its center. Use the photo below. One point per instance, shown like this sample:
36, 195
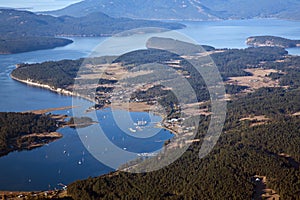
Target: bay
67, 159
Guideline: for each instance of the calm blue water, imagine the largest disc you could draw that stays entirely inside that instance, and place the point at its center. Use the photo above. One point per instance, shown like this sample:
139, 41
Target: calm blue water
233, 33
58, 162
67, 160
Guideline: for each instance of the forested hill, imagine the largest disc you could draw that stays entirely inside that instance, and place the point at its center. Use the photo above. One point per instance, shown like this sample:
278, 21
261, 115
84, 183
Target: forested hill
23, 31
244, 150
20, 131
142, 9
260, 137
24, 23
231, 62
186, 10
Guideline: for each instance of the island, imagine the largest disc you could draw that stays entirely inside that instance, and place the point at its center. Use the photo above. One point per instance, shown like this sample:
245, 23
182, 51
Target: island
272, 41
33, 129
257, 155
20, 131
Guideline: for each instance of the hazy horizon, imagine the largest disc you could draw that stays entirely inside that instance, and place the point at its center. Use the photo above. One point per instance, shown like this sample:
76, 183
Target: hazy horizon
35, 6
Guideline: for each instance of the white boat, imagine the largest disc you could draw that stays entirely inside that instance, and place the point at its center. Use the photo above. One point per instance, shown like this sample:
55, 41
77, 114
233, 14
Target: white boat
132, 130
141, 123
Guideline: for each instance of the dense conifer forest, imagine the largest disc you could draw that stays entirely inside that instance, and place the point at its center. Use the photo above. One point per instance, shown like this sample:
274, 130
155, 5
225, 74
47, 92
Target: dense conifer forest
242, 152
13, 126
248, 146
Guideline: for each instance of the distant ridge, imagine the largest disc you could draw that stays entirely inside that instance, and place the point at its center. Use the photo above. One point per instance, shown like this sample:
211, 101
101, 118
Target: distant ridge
142, 9
25, 23
23, 31
186, 9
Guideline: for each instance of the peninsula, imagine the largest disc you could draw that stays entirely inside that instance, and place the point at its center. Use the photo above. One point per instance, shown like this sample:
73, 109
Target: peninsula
257, 154
33, 129
272, 41
25, 131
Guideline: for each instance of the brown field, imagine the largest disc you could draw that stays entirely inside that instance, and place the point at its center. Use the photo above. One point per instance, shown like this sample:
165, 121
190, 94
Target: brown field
131, 106
49, 135
205, 53
105, 71
109, 71
43, 111
193, 109
203, 103
256, 120
136, 74
258, 79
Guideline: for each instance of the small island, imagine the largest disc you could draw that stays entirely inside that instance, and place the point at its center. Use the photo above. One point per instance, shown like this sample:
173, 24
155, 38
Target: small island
25, 131
33, 129
272, 41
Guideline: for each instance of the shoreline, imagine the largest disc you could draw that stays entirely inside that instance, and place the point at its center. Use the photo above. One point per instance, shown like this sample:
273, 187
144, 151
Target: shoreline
123, 106
43, 111
44, 138
131, 107
38, 48
35, 84
60, 91
48, 194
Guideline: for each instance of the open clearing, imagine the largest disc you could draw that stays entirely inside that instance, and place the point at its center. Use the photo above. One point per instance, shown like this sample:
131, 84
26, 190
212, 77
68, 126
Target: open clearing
258, 79
131, 106
43, 111
256, 120
194, 109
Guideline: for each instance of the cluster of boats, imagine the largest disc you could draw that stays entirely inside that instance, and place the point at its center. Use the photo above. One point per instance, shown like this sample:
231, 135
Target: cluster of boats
138, 126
